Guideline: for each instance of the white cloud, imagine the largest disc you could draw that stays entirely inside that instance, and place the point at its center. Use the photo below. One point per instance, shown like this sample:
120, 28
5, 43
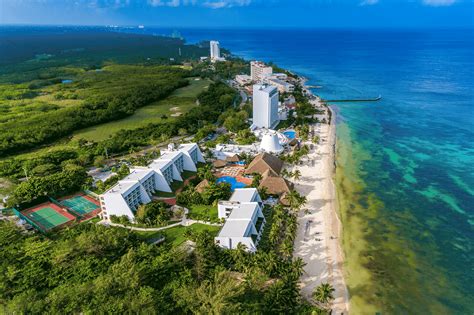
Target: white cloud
369, 2
439, 3
213, 4
162, 3
102, 4
226, 3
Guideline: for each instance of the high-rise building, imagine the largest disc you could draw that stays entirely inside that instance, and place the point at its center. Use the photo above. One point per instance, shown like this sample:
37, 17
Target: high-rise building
258, 71
215, 50
265, 106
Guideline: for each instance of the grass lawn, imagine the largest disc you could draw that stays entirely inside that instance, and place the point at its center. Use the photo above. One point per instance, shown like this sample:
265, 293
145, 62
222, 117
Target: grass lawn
193, 89
203, 212
164, 194
184, 98
181, 101
6, 187
187, 174
175, 235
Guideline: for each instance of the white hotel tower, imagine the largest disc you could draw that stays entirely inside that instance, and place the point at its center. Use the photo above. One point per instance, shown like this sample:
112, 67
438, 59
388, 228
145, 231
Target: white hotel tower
215, 50
265, 106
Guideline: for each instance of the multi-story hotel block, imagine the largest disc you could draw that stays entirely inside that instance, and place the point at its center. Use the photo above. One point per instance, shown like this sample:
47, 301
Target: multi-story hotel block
244, 220
258, 71
215, 49
138, 187
265, 106
282, 86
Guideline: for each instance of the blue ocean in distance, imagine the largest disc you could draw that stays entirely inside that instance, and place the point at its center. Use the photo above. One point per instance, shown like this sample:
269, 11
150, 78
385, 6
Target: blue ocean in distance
405, 174
409, 157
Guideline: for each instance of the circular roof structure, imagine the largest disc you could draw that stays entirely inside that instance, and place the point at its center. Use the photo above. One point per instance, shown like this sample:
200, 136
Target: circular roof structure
260, 133
270, 143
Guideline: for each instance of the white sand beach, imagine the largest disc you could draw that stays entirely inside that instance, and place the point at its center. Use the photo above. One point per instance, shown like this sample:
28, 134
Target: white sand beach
319, 231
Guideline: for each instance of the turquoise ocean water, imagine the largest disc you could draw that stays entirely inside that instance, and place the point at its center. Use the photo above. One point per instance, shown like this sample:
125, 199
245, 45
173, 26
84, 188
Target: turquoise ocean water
411, 154
405, 174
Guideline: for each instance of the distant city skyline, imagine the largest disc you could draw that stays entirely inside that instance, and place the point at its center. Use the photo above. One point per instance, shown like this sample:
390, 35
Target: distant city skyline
241, 13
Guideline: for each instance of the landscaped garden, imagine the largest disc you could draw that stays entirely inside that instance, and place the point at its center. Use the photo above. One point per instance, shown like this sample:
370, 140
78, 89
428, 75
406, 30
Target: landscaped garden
203, 213
177, 235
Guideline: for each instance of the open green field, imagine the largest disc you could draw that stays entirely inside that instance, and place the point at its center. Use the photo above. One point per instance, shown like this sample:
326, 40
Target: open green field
6, 187
176, 235
179, 102
184, 98
203, 212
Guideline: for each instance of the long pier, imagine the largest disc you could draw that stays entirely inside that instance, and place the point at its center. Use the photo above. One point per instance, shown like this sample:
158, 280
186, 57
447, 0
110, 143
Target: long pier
355, 100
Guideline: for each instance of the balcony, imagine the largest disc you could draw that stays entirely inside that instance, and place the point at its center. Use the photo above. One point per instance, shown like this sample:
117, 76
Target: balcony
259, 225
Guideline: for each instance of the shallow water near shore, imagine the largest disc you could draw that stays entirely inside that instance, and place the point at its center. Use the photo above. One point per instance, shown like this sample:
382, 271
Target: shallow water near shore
405, 164
405, 173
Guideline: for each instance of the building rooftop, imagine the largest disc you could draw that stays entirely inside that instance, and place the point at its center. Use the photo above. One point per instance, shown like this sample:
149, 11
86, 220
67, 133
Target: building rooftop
235, 228
263, 162
170, 155
122, 187
138, 174
245, 211
243, 194
280, 82
266, 88
159, 164
187, 147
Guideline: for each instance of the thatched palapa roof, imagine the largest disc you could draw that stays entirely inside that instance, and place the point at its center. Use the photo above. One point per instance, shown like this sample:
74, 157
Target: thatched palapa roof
233, 158
202, 186
275, 185
264, 162
219, 163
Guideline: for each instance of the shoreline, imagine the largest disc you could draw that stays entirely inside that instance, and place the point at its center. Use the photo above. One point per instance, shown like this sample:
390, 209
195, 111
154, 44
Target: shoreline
319, 235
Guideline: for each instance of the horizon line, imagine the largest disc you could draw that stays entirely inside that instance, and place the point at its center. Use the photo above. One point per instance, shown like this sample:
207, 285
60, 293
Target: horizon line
346, 27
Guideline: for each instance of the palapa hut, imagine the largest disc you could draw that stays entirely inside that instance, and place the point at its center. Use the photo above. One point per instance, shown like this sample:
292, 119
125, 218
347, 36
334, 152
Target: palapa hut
274, 184
219, 163
263, 162
233, 158
283, 200
202, 186
293, 142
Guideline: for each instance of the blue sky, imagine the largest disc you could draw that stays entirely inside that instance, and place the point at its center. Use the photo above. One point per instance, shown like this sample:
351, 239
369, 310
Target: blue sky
242, 13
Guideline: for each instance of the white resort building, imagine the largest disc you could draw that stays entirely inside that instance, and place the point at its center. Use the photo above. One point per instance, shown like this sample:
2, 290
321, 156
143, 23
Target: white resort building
244, 220
138, 187
215, 49
243, 79
265, 106
282, 86
258, 71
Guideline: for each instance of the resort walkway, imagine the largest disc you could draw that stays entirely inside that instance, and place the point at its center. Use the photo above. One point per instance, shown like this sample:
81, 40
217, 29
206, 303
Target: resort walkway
184, 222
135, 228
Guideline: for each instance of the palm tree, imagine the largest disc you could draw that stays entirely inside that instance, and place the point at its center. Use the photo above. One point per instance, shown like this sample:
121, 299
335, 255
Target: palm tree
263, 192
297, 267
297, 174
205, 172
323, 294
295, 200
216, 296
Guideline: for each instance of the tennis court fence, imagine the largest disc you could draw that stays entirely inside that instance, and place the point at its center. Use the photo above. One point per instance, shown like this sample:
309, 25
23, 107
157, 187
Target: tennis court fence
39, 227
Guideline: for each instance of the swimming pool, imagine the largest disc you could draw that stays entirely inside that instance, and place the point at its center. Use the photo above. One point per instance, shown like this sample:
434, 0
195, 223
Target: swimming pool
232, 181
290, 134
